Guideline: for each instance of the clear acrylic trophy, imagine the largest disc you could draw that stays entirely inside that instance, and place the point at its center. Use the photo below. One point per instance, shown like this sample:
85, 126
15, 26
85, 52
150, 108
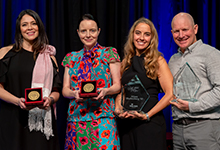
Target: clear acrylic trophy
134, 95
186, 84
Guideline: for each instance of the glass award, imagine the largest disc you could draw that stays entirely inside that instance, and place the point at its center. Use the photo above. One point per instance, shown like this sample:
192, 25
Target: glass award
134, 95
186, 84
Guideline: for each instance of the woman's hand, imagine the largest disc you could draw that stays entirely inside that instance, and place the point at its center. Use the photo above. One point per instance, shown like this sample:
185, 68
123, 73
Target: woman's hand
102, 93
136, 115
133, 115
125, 114
21, 104
75, 94
46, 104
118, 111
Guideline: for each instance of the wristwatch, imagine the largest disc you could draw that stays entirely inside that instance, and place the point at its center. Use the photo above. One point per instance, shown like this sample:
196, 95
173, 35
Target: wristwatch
52, 100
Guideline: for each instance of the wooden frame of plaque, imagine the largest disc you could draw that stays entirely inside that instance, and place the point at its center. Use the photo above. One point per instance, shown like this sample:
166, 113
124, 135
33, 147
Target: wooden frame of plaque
33, 96
88, 89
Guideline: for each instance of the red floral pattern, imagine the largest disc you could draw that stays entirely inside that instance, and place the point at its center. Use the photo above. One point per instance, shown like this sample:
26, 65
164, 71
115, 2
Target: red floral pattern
92, 135
91, 65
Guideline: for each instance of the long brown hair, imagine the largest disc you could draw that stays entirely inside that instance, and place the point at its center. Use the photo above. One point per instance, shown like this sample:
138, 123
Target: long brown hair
40, 41
151, 52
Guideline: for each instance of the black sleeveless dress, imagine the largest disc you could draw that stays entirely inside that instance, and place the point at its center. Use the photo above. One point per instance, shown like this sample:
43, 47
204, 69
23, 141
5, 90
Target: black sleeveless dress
143, 135
16, 75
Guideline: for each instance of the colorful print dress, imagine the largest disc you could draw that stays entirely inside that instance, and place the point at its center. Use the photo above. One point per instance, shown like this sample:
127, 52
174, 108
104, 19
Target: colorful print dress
91, 124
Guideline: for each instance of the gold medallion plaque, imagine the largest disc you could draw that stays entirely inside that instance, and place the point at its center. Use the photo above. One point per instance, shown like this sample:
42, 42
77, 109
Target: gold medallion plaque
33, 95
89, 87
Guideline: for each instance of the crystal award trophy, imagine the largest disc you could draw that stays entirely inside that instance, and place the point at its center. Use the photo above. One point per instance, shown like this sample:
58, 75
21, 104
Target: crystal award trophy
186, 84
134, 95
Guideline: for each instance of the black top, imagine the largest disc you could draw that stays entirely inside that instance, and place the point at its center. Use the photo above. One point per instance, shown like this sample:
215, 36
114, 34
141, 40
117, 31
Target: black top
152, 86
16, 74
137, 134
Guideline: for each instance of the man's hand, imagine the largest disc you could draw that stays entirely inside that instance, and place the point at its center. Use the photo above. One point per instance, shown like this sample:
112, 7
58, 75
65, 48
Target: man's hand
181, 104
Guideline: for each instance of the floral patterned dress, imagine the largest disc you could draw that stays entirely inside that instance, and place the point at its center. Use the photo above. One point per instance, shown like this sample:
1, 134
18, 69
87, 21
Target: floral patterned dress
91, 124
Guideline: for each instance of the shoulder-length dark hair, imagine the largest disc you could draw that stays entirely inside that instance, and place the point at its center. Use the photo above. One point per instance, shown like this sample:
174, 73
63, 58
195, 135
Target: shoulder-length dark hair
40, 41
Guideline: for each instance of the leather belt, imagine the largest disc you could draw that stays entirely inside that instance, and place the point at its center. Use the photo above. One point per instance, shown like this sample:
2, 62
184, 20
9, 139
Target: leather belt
187, 121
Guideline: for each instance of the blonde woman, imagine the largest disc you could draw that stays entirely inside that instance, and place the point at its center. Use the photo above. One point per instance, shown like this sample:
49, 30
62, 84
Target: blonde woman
138, 131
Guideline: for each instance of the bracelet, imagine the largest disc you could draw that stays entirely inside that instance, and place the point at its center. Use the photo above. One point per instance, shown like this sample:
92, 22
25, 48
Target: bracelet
52, 100
148, 118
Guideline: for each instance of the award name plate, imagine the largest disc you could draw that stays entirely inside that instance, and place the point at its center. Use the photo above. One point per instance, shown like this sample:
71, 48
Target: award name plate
88, 89
134, 95
33, 96
186, 84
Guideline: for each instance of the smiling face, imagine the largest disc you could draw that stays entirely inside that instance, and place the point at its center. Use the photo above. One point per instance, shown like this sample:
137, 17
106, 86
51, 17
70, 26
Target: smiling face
29, 28
88, 33
142, 37
184, 31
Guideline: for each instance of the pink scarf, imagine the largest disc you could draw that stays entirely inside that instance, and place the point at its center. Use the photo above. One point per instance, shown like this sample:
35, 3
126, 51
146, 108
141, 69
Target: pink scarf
39, 119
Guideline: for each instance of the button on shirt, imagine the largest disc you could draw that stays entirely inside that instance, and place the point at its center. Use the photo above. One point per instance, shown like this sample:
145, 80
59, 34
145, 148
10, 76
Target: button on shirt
205, 62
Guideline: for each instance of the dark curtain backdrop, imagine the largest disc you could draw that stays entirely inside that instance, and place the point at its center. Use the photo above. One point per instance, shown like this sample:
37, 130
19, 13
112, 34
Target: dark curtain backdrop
60, 18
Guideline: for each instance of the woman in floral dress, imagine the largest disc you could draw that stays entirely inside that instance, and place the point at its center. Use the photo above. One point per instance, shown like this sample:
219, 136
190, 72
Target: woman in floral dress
91, 121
